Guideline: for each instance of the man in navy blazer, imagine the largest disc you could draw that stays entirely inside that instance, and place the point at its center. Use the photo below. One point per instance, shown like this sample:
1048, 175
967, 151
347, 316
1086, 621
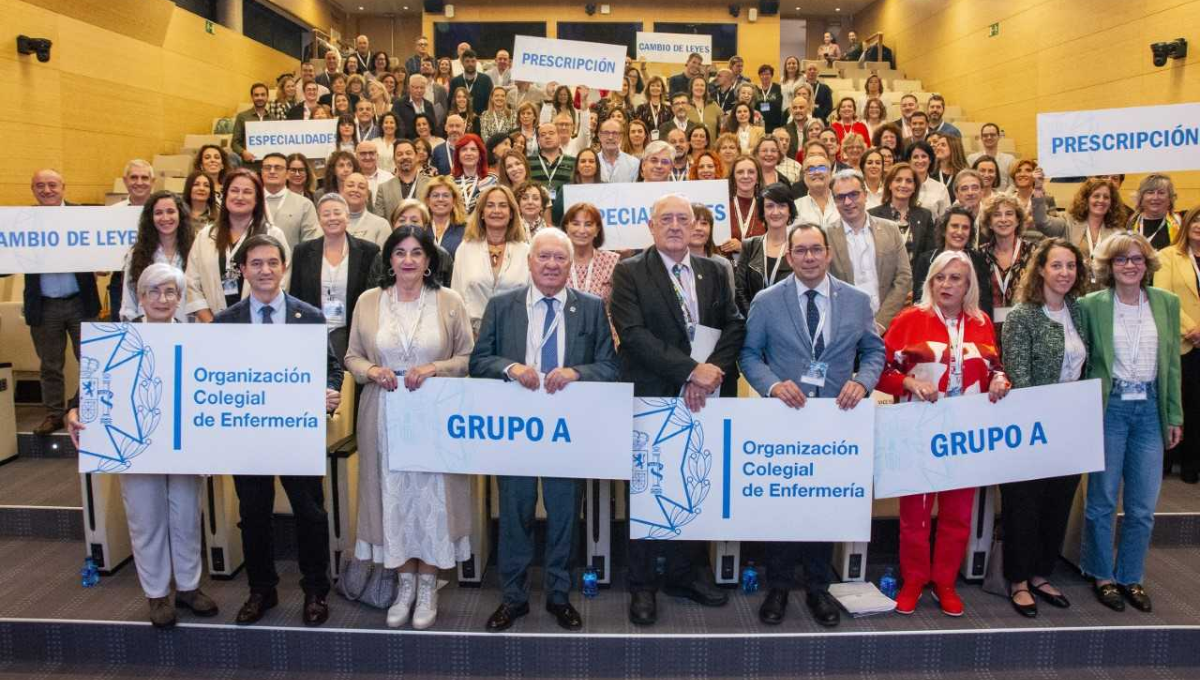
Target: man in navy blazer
804, 336
543, 334
263, 260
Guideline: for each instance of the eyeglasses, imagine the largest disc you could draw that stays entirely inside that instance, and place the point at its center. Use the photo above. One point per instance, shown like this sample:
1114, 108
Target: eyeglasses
298, 171
848, 196
1122, 260
610, 133
558, 258
800, 253
815, 169
168, 295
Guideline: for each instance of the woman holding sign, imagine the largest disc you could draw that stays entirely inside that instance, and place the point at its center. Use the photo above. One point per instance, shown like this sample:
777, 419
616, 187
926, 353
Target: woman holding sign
404, 332
1043, 345
163, 510
941, 347
1133, 337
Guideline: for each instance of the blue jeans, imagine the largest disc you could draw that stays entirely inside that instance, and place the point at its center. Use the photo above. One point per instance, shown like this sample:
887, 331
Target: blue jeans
518, 501
1133, 453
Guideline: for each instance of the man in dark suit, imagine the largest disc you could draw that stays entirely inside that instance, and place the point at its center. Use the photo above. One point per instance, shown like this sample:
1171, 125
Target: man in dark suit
668, 307
543, 334
822, 101
54, 307
407, 109
682, 82
680, 121
804, 338
478, 85
795, 125
262, 261
442, 157
325, 78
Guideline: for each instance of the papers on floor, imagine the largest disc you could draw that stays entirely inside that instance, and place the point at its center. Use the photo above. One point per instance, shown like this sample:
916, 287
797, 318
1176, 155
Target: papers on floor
861, 598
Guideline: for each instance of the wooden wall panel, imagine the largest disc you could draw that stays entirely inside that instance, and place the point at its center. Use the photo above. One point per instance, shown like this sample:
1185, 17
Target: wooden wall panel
1050, 55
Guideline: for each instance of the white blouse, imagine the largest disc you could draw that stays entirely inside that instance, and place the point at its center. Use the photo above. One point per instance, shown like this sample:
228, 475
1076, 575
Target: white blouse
1075, 352
475, 281
1135, 341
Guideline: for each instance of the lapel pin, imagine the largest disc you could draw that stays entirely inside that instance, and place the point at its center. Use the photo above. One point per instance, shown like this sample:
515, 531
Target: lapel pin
700, 277
297, 315
572, 310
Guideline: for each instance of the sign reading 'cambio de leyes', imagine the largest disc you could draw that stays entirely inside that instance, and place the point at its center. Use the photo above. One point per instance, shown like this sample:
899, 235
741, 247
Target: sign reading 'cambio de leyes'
1114, 141
313, 138
625, 207
568, 62
40, 240
968, 441
673, 48
751, 469
170, 398
477, 426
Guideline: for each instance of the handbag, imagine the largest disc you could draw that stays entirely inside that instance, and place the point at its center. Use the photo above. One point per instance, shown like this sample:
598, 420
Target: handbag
993, 576
367, 582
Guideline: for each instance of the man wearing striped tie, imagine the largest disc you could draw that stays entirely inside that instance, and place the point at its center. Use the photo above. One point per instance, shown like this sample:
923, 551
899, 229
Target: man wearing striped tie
543, 336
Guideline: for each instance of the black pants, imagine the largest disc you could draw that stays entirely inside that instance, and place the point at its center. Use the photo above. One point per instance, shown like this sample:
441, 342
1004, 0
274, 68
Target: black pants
686, 561
256, 497
1187, 454
1034, 516
781, 558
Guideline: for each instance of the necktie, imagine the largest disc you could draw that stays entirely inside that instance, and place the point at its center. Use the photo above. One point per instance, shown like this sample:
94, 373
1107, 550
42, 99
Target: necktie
266, 313
685, 301
814, 318
550, 342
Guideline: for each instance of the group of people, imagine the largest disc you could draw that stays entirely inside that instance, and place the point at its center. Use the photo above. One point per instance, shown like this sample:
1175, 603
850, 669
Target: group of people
897, 269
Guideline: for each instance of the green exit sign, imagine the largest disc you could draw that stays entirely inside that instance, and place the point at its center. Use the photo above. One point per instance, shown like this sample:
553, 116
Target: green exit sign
994, 30
208, 28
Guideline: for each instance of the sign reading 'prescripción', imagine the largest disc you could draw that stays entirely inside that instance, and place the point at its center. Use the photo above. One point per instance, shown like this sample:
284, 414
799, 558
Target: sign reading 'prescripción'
568, 62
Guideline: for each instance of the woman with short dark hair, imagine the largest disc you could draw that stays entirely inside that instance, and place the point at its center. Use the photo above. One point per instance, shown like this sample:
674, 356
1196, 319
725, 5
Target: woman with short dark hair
763, 262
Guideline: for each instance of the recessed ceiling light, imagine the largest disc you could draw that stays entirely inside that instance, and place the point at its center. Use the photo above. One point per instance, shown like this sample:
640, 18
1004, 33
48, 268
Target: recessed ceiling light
406, 8
361, 8
837, 9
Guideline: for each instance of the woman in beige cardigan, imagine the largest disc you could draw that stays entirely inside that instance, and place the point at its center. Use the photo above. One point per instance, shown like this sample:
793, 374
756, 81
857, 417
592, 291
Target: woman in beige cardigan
407, 330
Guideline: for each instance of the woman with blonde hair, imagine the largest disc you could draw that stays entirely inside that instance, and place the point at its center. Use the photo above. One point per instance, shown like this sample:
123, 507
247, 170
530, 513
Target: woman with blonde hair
447, 211
1178, 275
493, 257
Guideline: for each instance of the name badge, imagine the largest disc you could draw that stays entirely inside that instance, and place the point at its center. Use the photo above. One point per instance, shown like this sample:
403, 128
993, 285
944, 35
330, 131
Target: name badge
764, 106
815, 374
334, 310
229, 285
1132, 391
553, 193
654, 134
954, 392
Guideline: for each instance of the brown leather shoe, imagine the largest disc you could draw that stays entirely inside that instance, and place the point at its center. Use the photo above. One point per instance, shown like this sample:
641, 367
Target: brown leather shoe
195, 600
316, 610
49, 426
162, 613
256, 607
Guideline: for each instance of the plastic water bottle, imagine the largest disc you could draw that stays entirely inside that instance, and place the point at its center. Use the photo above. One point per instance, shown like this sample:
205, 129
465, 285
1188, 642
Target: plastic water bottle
89, 576
887, 583
591, 582
750, 579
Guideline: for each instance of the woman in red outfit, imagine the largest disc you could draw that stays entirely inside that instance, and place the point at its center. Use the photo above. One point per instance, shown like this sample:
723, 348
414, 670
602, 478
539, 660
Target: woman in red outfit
941, 347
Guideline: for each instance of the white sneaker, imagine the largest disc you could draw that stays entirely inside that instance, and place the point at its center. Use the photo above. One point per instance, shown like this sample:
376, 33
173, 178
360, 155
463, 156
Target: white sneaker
425, 612
406, 593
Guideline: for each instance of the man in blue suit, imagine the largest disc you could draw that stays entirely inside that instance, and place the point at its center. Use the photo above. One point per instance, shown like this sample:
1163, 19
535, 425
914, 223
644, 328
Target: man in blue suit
804, 336
543, 334
263, 260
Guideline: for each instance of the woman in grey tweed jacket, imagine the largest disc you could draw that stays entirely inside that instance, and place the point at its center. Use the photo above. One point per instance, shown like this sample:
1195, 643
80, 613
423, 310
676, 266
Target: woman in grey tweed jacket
1044, 343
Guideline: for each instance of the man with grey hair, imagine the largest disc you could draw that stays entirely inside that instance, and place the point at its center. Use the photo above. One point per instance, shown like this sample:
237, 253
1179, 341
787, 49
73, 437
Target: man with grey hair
414, 104
615, 164
657, 161
363, 223
412, 65
139, 183
680, 332
542, 335
501, 73
362, 54
868, 252
442, 157
723, 90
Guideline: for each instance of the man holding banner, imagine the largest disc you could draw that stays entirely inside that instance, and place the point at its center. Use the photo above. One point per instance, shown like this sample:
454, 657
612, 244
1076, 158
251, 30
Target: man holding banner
804, 338
543, 334
680, 333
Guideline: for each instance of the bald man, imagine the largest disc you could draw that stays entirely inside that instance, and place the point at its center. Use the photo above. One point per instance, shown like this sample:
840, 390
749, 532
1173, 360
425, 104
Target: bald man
54, 307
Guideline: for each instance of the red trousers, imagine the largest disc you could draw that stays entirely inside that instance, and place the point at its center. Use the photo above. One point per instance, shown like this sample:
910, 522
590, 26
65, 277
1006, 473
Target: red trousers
953, 530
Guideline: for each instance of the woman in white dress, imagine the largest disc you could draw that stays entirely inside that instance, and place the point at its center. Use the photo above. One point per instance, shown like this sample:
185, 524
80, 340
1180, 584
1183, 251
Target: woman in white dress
404, 332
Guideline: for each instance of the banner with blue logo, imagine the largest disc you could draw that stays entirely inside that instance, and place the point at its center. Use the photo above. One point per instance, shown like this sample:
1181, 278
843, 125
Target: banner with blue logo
963, 442
751, 470
313, 138
171, 398
493, 427
625, 207
41, 240
568, 62
1113, 141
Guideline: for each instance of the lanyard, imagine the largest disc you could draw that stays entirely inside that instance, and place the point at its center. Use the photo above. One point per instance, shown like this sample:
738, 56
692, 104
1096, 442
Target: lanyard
743, 222
587, 280
1165, 223
546, 335
437, 240
680, 175
412, 189
271, 213
408, 337
1087, 231
1136, 339
724, 101
333, 270
1008, 274
820, 321
364, 135
778, 261
470, 84
654, 112
956, 347
550, 175
765, 92
682, 297
230, 255
469, 188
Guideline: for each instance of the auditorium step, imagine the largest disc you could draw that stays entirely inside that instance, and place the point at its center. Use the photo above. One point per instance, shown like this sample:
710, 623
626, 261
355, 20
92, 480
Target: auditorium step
42, 607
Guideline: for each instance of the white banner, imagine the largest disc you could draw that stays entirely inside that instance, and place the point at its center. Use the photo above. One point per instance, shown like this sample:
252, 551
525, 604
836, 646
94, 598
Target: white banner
477, 426
203, 398
964, 442
568, 62
40, 240
752, 470
1112, 141
673, 48
625, 207
313, 138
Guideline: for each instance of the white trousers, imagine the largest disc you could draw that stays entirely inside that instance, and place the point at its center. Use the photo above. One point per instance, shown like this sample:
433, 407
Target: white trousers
164, 527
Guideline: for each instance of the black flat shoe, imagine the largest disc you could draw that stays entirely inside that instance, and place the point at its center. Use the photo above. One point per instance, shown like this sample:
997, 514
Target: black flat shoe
316, 610
1136, 594
566, 615
1110, 596
774, 607
824, 608
1029, 611
1059, 600
643, 608
699, 591
1190, 478
505, 615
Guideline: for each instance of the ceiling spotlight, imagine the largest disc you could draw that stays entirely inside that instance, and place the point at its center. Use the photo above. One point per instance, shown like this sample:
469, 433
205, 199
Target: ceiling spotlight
361, 8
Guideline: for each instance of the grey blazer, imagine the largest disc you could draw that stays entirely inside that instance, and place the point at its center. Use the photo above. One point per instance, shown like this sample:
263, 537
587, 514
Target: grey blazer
503, 337
389, 195
892, 266
778, 347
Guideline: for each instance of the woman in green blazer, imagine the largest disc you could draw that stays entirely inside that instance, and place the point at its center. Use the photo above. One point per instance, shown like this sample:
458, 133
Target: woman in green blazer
1133, 338
1044, 343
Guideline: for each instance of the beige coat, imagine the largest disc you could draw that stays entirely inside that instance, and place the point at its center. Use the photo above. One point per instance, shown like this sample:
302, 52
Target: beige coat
457, 343
204, 275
